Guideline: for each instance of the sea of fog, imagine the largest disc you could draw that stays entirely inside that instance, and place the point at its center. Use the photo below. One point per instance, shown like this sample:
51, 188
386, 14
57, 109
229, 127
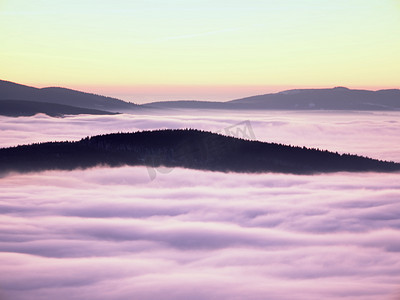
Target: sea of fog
154, 233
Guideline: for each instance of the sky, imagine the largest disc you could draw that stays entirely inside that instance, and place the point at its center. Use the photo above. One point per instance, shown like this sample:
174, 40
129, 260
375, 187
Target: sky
152, 50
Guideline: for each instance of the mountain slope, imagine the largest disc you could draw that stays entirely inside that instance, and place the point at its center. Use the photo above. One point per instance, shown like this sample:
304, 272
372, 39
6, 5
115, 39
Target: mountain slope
13, 91
338, 98
183, 148
17, 108
188, 104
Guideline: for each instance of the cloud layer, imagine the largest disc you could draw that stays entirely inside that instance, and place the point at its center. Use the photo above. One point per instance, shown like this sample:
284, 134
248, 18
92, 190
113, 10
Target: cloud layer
115, 234
135, 233
373, 134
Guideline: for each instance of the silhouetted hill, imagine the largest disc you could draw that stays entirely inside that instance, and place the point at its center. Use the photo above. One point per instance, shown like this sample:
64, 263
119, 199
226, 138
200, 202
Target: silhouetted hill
189, 104
17, 108
183, 148
338, 98
13, 91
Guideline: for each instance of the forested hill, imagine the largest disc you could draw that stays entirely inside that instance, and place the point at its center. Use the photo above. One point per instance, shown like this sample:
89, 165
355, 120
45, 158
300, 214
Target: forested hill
183, 148
18, 108
63, 96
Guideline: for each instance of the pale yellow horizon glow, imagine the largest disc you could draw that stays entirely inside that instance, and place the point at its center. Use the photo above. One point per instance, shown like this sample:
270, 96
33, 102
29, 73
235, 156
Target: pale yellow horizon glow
172, 46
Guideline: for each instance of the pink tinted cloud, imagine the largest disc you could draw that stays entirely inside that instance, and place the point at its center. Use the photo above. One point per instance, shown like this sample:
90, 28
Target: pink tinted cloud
115, 234
364, 133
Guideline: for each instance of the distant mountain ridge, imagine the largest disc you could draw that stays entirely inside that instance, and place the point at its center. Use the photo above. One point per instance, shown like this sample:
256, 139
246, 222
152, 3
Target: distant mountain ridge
338, 98
190, 148
13, 91
19, 108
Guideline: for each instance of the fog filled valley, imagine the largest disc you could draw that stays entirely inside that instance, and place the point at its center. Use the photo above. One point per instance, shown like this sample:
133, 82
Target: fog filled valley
173, 233
200, 150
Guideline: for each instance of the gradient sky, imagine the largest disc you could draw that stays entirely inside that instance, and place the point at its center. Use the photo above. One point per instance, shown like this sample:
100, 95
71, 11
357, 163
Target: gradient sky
207, 49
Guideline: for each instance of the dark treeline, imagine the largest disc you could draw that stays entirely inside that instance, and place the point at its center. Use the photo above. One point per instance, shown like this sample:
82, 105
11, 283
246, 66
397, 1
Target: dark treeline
17, 108
188, 148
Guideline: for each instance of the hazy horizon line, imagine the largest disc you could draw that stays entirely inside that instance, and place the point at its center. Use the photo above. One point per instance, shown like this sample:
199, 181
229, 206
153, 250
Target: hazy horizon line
147, 93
